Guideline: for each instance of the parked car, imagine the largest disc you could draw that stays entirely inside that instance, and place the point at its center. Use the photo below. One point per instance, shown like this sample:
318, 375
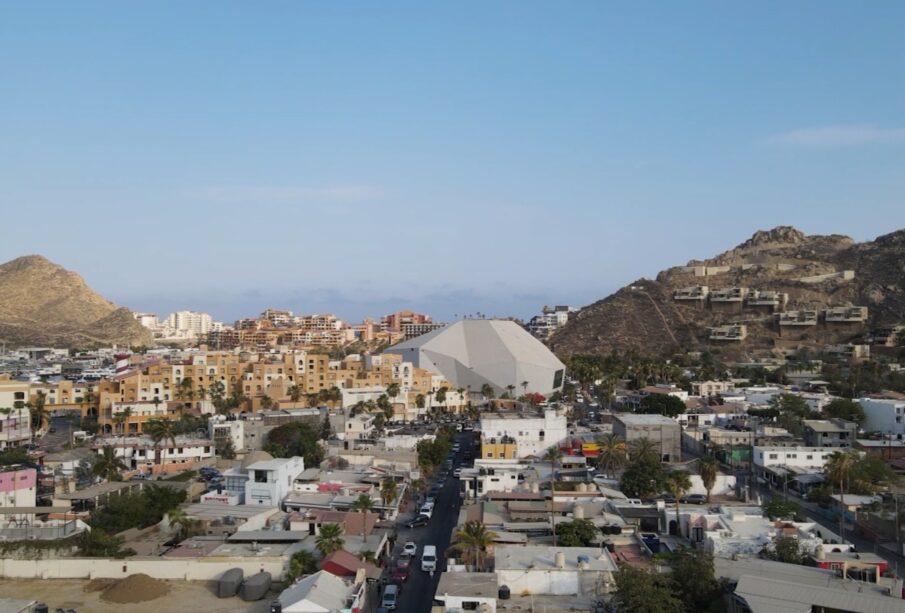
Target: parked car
457, 473
410, 548
667, 498
693, 499
418, 522
400, 574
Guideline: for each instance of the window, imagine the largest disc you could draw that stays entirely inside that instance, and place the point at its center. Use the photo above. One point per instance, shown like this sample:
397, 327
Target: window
773, 456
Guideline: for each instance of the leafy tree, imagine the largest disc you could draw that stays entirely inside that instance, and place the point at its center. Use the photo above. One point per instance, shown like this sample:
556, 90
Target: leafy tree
300, 564
393, 390
226, 449
108, 465
14, 455
844, 408
295, 392
487, 391
37, 410
643, 478
329, 539
785, 549
694, 580
710, 468
780, 508
136, 510
643, 591
420, 401
440, 396
160, 430
662, 404
472, 540
326, 427
577, 533
872, 474
644, 448
295, 439
97, 543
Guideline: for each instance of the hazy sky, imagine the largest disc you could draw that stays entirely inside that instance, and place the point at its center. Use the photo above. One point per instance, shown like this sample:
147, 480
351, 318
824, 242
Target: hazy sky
455, 157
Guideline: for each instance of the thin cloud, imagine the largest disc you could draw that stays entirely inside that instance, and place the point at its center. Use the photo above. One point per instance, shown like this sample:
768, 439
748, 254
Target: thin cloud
844, 135
290, 194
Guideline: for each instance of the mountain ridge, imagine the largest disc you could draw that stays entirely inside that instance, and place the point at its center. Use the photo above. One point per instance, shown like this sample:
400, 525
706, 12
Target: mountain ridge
645, 316
44, 303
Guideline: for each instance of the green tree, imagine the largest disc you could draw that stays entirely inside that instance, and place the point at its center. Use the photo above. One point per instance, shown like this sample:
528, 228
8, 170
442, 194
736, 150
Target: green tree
160, 430
785, 549
644, 448
871, 474
643, 477
440, 396
388, 491
553, 455
326, 427
300, 564
662, 404
487, 391
266, 402
780, 508
694, 580
108, 465
577, 533
844, 408
98, 543
677, 482
37, 410
225, 448
472, 541
709, 468
295, 393
393, 390
420, 401
329, 539
295, 439
612, 455
644, 591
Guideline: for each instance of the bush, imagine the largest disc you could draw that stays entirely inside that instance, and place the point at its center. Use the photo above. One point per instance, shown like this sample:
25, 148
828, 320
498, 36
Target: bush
296, 439
136, 510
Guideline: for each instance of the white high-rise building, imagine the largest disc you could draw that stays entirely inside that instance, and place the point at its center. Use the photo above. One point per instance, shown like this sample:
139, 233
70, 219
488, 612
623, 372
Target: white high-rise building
190, 323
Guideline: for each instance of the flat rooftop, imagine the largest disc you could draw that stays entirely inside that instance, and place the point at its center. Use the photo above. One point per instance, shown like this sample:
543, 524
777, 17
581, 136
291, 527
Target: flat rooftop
636, 419
544, 557
481, 585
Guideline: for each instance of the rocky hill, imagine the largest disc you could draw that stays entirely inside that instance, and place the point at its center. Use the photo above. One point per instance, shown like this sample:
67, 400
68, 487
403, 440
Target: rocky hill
768, 296
44, 304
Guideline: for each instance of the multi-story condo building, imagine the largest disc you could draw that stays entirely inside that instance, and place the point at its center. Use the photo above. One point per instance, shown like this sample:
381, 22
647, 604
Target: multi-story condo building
515, 435
15, 427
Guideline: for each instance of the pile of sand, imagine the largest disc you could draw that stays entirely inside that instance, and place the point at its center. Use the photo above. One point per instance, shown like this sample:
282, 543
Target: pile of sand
98, 585
135, 588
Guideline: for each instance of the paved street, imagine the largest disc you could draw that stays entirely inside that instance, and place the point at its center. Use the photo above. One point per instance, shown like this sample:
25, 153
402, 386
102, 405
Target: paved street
418, 592
54, 441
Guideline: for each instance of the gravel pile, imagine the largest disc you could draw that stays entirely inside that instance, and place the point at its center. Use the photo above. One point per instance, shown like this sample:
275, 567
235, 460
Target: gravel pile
135, 588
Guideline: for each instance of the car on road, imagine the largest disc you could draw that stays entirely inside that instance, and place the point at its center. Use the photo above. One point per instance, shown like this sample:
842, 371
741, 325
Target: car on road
418, 522
390, 596
400, 574
667, 498
693, 499
410, 548
441, 481
429, 559
457, 473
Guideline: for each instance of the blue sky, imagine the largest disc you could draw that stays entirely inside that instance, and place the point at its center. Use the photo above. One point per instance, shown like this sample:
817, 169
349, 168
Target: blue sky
457, 157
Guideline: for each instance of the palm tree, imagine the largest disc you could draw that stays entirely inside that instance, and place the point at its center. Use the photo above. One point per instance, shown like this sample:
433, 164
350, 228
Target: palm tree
838, 470
524, 388
393, 390
108, 465
177, 517
266, 402
312, 399
472, 540
388, 491
510, 388
553, 455
301, 563
440, 396
295, 393
677, 482
368, 556
487, 391
334, 395
709, 467
364, 505
37, 411
643, 448
160, 430
420, 401
612, 454
329, 539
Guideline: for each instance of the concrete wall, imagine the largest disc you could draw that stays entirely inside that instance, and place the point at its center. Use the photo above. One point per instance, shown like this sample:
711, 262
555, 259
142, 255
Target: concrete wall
159, 568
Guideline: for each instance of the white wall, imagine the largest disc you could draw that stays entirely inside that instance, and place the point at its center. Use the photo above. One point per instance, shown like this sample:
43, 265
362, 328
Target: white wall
883, 415
159, 568
725, 485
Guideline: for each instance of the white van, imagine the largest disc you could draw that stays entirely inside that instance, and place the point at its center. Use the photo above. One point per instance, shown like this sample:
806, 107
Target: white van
429, 558
390, 596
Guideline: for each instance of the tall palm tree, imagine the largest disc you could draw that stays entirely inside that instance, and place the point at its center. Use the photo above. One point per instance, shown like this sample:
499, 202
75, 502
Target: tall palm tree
553, 455
329, 539
108, 465
643, 448
266, 402
301, 563
420, 401
678, 482
838, 470
487, 391
364, 505
709, 467
160, 430
510, 388
440, 397
524, 388
472, 540
393, 390
295, 393
37, 411
334, 395
388, 491
612, 454
312, 399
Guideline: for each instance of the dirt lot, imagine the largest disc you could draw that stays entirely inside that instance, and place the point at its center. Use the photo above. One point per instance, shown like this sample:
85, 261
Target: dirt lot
193, 596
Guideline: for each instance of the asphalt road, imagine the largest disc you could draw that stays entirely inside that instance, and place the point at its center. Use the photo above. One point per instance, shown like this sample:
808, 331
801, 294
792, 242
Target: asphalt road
54, 441
417, 595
